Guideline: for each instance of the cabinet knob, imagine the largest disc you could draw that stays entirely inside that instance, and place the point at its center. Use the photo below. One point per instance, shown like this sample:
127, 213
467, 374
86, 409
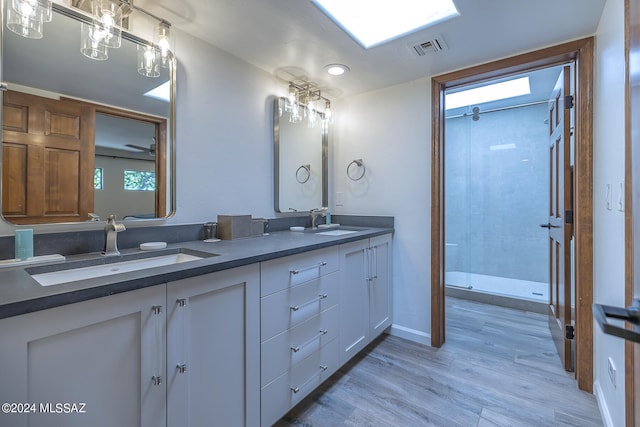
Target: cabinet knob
182, 368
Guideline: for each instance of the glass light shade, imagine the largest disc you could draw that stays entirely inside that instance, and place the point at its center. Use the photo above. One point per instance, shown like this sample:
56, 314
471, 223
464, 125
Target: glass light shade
23, 25
327, 112
90, 43
162, 39
108, 16
39, 10
148, 61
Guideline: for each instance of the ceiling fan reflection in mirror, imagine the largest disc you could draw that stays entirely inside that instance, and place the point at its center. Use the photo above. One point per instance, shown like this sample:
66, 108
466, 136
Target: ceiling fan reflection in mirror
151, 149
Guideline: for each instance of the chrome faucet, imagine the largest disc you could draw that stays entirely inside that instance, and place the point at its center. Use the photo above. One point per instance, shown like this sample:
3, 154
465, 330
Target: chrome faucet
111, 231
315, 213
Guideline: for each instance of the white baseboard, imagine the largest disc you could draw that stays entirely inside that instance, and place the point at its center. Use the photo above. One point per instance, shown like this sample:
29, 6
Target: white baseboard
602, 404
410, 334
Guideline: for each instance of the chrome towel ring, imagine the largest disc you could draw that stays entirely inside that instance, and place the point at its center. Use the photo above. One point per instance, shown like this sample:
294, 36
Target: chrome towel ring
353, 173
303, 173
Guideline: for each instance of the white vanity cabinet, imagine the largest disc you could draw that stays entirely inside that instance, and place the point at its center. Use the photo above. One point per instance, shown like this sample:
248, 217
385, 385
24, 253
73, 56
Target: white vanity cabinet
299, 328
365, 292
99, 362
213, 349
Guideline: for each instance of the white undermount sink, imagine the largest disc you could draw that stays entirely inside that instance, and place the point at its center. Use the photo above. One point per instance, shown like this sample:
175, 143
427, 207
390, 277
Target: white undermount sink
336, 232
92, 271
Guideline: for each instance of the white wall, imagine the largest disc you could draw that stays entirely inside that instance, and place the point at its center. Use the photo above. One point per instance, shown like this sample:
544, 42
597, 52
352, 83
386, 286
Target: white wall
390, 130
224, 134
113, 198
608, 239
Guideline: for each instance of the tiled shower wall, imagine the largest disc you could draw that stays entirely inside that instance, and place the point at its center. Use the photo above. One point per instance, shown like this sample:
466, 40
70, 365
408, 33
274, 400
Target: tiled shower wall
496, 193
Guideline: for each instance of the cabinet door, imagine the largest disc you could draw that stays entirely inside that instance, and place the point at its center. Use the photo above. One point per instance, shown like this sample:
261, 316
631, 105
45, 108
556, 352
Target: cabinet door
380, 284
354, 298
103, 355
213, 349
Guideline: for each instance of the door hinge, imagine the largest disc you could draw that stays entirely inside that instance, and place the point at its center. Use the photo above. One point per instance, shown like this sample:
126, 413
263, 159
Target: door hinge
569, 332
568, 217
568, 102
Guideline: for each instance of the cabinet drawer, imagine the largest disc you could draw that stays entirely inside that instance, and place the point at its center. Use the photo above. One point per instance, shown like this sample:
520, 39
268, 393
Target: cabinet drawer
281, 273
292, 306
291, 347
290, 388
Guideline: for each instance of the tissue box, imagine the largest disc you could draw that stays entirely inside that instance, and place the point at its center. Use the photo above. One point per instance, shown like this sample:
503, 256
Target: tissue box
234, 226
257, 226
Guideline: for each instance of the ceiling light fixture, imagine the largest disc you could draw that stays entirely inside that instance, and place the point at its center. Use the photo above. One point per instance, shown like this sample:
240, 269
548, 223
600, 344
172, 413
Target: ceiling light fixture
336, 69
372, 23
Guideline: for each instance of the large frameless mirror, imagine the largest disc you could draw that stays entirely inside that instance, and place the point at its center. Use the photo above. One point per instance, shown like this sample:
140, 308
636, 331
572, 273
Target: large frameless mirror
300, 156
84, 136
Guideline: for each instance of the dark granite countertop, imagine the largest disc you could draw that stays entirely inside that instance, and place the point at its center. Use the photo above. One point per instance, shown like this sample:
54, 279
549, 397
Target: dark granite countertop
20, 293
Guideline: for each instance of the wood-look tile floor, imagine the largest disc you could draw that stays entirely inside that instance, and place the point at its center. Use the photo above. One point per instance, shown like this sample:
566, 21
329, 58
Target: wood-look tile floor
499, 367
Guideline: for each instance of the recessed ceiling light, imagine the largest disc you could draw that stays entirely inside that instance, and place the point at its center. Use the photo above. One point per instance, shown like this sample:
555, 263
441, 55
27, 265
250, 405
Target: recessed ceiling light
336, 69
488, 93
371, 23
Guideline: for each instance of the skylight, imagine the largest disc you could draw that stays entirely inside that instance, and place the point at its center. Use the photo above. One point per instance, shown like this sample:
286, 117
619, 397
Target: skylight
373, 22
161, 92
493, 92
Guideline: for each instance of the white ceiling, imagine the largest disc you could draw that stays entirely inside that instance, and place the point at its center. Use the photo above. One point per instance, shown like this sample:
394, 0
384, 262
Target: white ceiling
294, 39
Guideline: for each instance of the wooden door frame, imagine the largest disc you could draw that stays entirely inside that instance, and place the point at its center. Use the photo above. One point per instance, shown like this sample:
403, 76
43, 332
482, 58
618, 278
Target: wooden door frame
631, 31
581, 52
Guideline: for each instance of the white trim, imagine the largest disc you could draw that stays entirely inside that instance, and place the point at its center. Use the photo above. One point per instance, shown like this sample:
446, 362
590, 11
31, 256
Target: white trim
602, 404
410, 334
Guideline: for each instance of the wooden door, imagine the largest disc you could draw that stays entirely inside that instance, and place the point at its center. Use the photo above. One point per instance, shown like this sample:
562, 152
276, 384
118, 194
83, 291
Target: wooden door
47, 159
560, 287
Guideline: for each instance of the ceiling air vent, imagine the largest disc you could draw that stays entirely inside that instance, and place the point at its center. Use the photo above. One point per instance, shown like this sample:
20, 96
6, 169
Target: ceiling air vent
435, 44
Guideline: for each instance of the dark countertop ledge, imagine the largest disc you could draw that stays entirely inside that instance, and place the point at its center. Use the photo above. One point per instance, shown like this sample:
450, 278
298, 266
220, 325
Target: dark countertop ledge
21, 294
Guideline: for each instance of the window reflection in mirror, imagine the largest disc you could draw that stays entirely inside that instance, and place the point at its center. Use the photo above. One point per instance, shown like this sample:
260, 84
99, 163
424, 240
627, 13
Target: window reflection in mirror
65, 116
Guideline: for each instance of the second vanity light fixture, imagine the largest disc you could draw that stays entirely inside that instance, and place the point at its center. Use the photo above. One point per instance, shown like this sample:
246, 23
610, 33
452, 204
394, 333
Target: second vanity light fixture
305, 100
101, 31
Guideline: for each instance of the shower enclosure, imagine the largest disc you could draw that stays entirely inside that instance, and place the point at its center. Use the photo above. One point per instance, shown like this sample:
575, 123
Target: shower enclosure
496, 193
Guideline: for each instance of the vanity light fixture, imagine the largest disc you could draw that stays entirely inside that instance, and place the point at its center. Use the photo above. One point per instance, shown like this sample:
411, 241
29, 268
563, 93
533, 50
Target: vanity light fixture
90, 43
108, 16
27, 17
303, 102
148, 61
101, 29
162, 39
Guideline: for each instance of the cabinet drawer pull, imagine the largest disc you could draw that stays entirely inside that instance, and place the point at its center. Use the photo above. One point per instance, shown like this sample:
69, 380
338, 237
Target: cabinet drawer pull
321, 369
321, 264
297, 307
297, 348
